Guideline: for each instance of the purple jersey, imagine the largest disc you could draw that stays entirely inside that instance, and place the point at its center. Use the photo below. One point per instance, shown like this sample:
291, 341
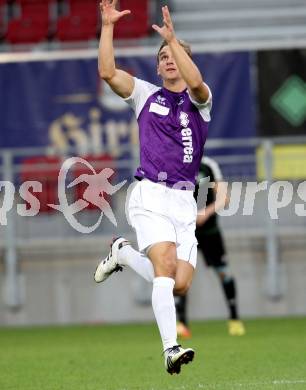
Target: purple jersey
172, 133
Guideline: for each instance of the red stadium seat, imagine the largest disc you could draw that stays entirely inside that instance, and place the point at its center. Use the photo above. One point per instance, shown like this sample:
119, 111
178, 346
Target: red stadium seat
135, 25
81, 22
3, 17
45, 170
33, 24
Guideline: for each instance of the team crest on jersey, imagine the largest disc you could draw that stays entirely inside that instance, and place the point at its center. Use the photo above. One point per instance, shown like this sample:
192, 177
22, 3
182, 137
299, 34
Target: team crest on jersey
161, 100
181, 101
184, 119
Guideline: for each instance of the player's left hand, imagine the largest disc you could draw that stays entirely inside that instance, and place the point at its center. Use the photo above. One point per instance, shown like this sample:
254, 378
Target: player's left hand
167, 30
202, 217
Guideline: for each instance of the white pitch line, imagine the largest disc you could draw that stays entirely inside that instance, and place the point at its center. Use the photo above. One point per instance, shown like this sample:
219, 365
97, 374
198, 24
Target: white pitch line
234, 385
229, 385
286, 382
278, 382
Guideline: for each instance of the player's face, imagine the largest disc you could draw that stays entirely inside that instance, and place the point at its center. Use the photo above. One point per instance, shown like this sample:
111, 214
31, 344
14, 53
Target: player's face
166, 67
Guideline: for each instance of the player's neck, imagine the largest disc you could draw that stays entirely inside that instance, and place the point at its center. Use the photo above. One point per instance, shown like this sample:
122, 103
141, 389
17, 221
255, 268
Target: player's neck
175, 85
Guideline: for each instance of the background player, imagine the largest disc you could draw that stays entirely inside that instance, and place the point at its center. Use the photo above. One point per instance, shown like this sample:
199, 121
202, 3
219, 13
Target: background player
211, 245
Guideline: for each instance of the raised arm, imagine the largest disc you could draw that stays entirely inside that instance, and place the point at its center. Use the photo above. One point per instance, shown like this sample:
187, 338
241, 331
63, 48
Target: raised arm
122, 83
189, 71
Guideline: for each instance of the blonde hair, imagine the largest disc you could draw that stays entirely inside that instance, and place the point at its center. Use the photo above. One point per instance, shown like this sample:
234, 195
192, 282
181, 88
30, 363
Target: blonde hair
184, 45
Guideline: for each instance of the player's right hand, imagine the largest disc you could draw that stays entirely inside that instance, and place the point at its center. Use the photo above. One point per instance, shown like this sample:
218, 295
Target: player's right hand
109, 13
167, 30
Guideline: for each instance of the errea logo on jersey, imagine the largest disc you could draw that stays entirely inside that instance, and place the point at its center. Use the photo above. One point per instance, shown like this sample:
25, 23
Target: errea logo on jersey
186, 138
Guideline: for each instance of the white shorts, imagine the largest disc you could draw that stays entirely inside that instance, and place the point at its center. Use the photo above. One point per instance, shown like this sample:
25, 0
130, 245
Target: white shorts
159, 213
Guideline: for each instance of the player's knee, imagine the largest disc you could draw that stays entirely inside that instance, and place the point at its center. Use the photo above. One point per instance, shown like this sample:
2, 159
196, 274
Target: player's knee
166, 266
163, 257
181, 288
222, 273
169, 265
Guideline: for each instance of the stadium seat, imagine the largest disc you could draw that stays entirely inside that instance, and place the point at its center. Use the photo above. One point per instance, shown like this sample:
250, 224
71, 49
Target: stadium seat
3, 17
135, 25
32, 26
83, 21
80, 23
45, 170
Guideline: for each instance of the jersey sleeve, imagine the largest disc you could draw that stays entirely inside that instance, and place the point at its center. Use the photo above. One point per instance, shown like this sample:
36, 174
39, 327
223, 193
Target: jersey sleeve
141, 93
204, 108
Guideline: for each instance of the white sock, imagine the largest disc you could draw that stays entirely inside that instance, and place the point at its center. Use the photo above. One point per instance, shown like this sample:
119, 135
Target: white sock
127, 255
164, 310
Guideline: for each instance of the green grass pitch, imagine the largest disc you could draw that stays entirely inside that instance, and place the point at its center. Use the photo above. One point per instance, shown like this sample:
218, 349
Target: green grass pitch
272, 355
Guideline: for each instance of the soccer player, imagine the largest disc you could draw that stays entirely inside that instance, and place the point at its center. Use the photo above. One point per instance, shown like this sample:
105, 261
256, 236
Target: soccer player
210, 243
173, 122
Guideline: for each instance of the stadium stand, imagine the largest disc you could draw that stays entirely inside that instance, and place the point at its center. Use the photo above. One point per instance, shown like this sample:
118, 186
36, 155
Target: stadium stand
214, 24
82, 22
79, 22
39, 21
46, 170
135, 25
30, 22
3, 18
241, 23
